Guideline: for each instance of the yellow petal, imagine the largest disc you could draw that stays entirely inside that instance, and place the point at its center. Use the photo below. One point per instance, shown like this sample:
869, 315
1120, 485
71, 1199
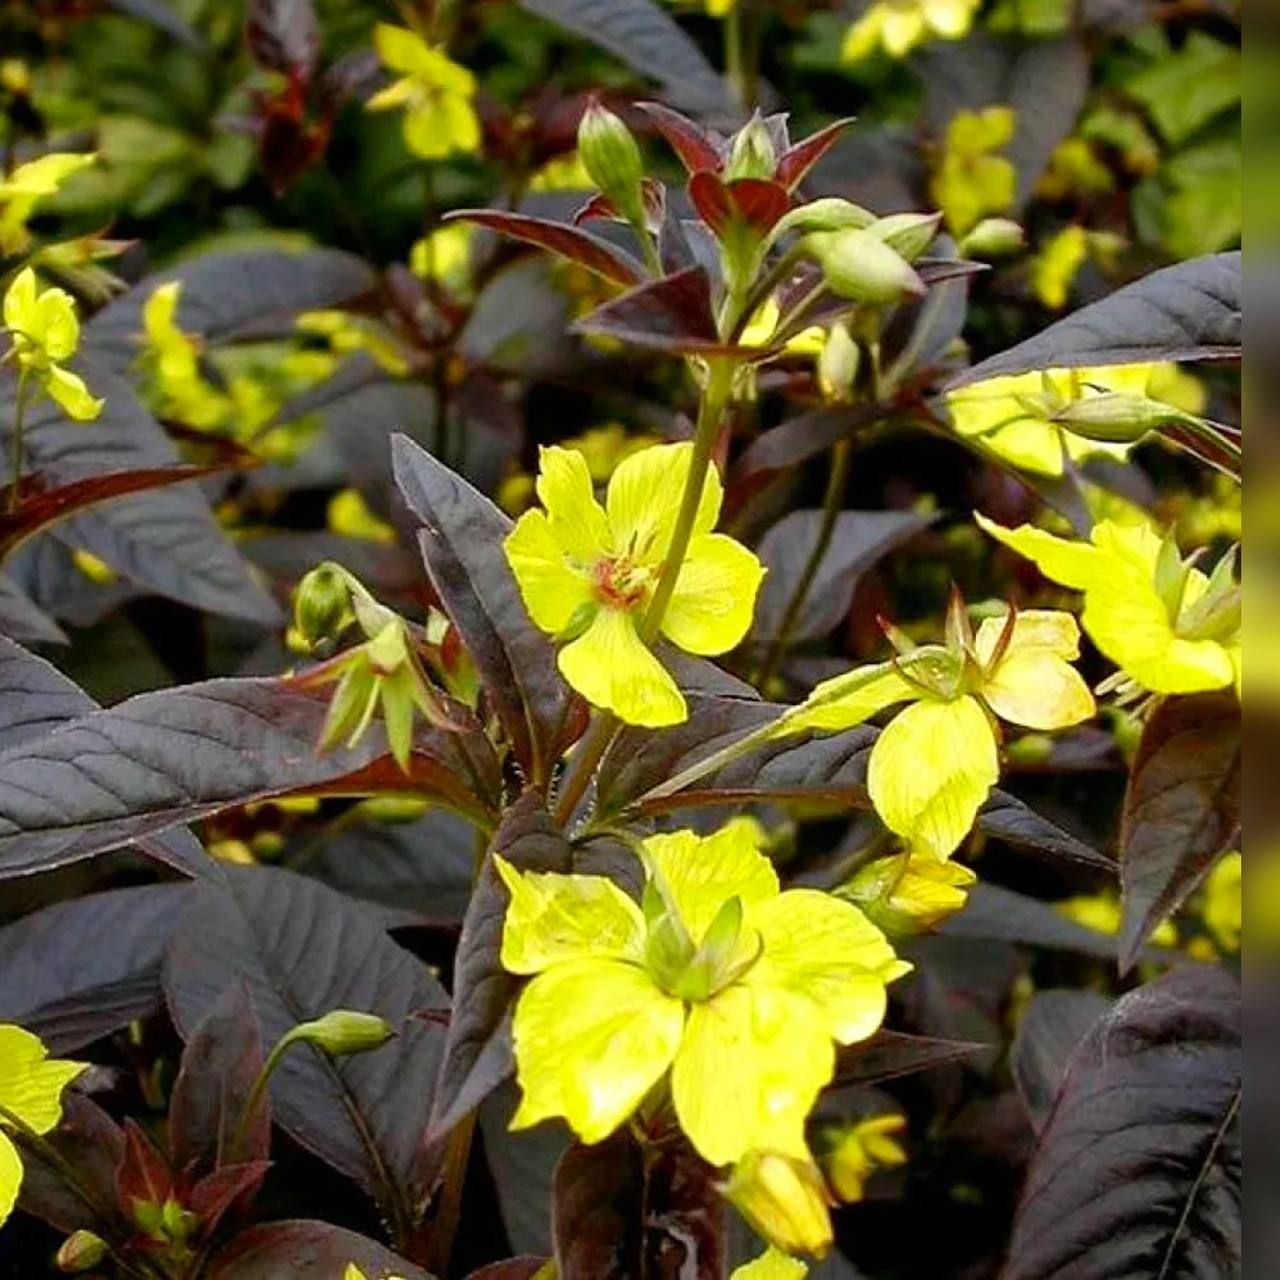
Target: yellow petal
552, 918
1050, 630
399, 93
43, 176
1073, 564
849, 699
612, 669
715, 596
990, 404
10, 1176
426, 130
825, 950
949, 18
863, 37
748, 1071
930, 771
69, 391
773, 1264
577, 520
1031, 445
31, 1082
701, 873
400, 49
20, 303
552, 587
57, 324
644, 499
462, 125
902, 30
1039, 690
591, 1038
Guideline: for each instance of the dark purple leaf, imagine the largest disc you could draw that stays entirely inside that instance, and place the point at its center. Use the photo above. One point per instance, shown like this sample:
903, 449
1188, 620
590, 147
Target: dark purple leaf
996, 914
461, 542
215, 1194
278, 1250
1053, 1024
588, 250
888, 1055
795, 163
304, 950
284, 36
697, 149
22, 620
1138, 1170
1181, 810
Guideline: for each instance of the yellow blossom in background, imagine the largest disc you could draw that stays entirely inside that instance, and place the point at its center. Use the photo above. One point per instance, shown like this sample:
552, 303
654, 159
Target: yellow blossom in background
23, 189
1222, 897
348, 514
934, 764
354, 1273
606, 447
858, 1150
1014, 415
1055, 267
435, 92
346, 334
773, 1264
1167, 625
45, 331
737, 988
971, 181
898, 26
445, 256
173, 358
784, 1199
720, 8
1074, 169
31, 1085
1104, 913
563, 173
587, 574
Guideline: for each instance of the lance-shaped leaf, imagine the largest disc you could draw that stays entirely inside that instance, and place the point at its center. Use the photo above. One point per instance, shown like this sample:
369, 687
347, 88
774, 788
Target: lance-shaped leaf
461, 540
647, 39
1181, 809
478, 1056
996, 914
755, 202
80, 970
179, 755
1138, 1170
273, 1250
795, 163
889, 1055
1054, 1023
305, 950
586, 249
1189, 311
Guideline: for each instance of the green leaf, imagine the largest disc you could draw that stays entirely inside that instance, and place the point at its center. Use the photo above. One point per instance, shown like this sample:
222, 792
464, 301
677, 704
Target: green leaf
1185, 90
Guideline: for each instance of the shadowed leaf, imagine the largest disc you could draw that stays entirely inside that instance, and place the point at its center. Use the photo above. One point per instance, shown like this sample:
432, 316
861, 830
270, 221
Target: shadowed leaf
1054, 1023
275, 1250
794, 163
891, 1054
284, 36
588, 250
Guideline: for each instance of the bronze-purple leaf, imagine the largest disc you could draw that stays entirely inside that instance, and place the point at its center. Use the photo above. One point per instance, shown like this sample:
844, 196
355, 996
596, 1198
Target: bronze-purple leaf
697, 149
795, 163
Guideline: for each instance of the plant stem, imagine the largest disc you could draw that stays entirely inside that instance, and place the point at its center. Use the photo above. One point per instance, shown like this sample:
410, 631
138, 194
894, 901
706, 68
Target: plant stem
449, 1211
832, 502
733, 55
582, 764
19, 423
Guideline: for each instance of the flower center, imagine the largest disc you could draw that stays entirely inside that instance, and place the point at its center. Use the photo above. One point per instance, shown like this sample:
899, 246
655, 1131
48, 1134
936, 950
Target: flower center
621, 583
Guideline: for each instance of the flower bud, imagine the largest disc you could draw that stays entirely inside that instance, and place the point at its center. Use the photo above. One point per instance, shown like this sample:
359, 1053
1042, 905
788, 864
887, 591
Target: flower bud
344, 1031
994, 238
909, 892
321, 605
831, 213
611, 158
80, 1251
859, 265
909, 233
752, 154
838, 364
1116, 418
784, 1199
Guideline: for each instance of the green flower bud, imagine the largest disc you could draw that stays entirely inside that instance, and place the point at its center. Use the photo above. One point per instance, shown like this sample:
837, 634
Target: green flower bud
994, 238
784, 1199
322, 605
1116, 418
859, 265
909, 233
343, 1031
828, 214
752, 154
838, 364
611, 158
80, 1251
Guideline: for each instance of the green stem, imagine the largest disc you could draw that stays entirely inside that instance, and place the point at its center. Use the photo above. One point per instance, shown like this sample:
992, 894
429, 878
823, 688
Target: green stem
648, 247
19, 424
582, 764
832, 502
734, 62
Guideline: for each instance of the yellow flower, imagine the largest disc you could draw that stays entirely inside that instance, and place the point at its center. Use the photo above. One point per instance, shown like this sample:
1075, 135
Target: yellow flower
1055, 267
45, 331
348, 514
587, 573
720, 8
23, 190
934, 764
1167, 625
898, 26
434, 90
785, 1199
858, 1150
773, 1264
738, 988
345, 333
31, 1085
1103, 913
354, 1273
562, 173
1222, 901
972, 182
605, 448
172, 356
444, 255
1013, 415
909, 892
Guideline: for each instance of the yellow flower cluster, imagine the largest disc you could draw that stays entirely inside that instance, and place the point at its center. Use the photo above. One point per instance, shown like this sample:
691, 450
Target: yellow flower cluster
899, 26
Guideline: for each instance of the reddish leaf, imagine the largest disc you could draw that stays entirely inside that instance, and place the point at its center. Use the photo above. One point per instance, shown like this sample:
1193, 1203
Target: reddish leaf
796, 161
696, 148
1181, 811
570, 242
710, 197
284, 36
757, 202
144, 1176
212, 1196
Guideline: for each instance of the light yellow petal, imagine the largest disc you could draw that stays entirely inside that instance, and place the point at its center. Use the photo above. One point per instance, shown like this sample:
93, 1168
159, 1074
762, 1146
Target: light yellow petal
577, 520
552, 918
57, 324
863, 37
31, 1082
825, 950
612, 669
10, 1176
644, 500
930, 771
398, 93
69, 391
462, 125
44, 175
1039, 690
426, 130
849, 699
902, 30
1073, 564
591, 1038
1050, 630
715, 596
748, 1071
20, 302
1031, 445
949, 18
551, 585
701, 873
402, 50
773, 1264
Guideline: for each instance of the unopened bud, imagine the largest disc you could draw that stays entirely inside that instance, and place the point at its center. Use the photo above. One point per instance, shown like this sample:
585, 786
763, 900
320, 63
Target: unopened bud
752, 154
784, 1199
994, 238
909, 233
321, 605
838, 364
80, 1251
831, 213
344, 1031
859, 265
909, 892
1116, 418
612, 158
